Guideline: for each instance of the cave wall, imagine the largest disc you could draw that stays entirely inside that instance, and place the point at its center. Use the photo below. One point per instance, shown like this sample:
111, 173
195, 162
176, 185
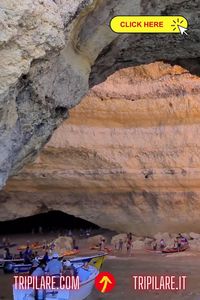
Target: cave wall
51, 51
127, 158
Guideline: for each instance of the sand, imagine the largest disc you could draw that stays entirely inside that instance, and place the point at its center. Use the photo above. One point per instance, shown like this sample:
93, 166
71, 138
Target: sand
123, 267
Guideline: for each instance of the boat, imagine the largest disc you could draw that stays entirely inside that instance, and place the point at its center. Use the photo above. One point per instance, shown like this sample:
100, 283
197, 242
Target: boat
175, 249
12, 260
93, 260
97, 248
16, 267
10, 267
83, 292
95, 263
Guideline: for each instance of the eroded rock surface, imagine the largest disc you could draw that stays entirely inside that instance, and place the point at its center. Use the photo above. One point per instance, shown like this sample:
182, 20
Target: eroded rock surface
127, 159
49, 51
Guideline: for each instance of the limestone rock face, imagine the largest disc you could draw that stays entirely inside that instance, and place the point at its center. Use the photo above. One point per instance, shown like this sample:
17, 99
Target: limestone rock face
62, 244
95, 240
52, 50
127, 159
138, 245
194, 235
116, 238
195, 245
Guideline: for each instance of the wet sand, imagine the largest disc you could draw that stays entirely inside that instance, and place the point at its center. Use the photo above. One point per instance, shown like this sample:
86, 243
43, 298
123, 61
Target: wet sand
123, 268
142, 263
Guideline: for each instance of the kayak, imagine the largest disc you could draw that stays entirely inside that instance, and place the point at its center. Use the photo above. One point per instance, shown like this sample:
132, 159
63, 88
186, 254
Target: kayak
97, 248
34, 246
174, 250
70, 253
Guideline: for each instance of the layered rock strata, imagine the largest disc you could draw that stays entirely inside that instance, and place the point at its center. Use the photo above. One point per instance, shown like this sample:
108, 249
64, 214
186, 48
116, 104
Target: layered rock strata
127, 159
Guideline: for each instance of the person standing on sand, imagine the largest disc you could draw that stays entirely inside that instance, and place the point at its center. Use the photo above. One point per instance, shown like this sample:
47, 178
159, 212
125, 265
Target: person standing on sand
154, 245
129, 242
128, 246
102, 245
121, 243
131, 248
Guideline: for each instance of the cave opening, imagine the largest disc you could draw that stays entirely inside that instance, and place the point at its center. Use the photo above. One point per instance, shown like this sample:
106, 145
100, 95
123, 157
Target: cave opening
52, 221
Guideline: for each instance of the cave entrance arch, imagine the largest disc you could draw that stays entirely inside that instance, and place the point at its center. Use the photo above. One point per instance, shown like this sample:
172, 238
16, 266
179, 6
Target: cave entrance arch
50, 222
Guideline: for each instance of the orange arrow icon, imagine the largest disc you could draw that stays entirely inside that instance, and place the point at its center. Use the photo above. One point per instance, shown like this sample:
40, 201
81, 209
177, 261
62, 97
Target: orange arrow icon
105, 280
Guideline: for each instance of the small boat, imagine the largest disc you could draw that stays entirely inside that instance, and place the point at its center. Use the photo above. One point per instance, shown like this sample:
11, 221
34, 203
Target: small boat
175, 249
95, 263
20, 267
83, 292
12, 260
93, 260
16, 268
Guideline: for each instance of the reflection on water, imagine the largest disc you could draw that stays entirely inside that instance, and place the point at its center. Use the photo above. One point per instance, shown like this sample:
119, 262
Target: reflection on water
124, 268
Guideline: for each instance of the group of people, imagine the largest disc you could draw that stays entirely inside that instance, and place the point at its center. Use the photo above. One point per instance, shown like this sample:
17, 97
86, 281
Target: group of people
128, 243
179, 242
56, 267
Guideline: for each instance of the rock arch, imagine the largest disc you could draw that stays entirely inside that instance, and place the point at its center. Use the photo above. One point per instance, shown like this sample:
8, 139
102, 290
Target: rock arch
51, 51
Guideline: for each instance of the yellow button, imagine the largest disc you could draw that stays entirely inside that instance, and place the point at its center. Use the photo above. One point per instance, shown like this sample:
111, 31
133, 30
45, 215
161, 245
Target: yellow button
149, 24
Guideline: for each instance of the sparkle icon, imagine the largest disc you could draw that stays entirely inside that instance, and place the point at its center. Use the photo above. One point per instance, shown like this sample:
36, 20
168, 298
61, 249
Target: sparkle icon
178, 25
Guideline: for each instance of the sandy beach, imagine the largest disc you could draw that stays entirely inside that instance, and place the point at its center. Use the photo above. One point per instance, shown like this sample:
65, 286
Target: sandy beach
123, 267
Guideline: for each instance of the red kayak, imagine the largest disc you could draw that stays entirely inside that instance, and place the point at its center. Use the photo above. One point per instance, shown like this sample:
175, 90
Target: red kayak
174, 250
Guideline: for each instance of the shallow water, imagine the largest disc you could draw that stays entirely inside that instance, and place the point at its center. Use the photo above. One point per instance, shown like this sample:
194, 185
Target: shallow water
124, 268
